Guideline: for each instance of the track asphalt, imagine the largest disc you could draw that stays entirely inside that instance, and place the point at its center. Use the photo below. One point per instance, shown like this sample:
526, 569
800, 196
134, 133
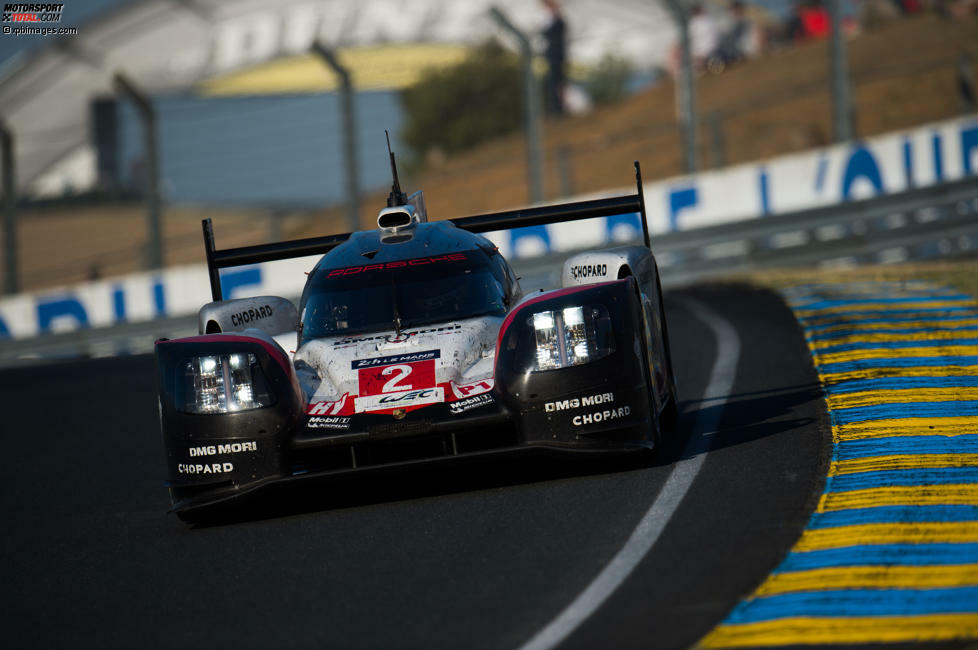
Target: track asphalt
478, 556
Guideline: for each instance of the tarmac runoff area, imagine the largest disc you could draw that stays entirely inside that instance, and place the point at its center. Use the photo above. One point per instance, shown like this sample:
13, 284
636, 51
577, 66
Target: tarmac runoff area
891, 552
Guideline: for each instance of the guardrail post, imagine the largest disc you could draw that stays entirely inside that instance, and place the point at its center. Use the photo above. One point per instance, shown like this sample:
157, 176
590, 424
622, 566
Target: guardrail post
147, 118
565, 173
717, 143
349, 134
841, 95
11, 281
686, 89
966, 84
275, 230
531, 112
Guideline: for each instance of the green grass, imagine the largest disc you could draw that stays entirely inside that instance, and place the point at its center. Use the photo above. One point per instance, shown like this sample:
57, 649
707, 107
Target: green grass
962, 274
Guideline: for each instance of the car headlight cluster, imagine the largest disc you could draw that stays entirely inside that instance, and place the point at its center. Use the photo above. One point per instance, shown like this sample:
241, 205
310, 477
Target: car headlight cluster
567, 337
224, 383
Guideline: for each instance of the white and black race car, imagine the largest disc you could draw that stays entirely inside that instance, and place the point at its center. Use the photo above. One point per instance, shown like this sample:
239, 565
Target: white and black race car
413, 344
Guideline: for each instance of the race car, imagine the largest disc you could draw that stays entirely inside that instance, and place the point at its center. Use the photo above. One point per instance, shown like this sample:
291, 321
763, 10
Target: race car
414, 343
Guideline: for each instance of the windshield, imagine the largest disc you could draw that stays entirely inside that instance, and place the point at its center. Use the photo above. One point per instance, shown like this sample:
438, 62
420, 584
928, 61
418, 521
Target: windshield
416, 292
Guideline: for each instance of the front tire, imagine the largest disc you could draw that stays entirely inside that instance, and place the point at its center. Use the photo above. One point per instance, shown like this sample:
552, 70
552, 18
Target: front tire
670, 415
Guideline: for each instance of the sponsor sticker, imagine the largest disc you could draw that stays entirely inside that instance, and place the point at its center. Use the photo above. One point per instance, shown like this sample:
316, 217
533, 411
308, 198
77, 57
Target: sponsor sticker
409, 357
601, 416
399, 399
582, 271
469, 403
419, 261
249, 315
205, 468
475, 388
226, 448
575, 403
327, 408
391, 338
329, 422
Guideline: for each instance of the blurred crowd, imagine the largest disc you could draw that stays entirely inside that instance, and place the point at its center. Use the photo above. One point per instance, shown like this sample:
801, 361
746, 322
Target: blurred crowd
724, 33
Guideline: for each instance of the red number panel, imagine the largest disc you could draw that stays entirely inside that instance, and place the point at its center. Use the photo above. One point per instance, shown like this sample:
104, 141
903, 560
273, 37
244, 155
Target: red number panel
396, 377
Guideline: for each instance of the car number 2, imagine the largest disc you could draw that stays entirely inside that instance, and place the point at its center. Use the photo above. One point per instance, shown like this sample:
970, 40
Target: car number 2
394, 384
396, 377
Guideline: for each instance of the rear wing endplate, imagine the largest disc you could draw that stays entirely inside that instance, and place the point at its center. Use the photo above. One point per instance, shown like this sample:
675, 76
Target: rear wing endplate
537, 216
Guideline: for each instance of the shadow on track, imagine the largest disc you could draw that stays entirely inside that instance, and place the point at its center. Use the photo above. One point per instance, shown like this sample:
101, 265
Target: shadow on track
419, 482
758, 414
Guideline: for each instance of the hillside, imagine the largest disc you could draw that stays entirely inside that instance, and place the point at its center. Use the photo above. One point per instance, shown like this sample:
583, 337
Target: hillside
903, 74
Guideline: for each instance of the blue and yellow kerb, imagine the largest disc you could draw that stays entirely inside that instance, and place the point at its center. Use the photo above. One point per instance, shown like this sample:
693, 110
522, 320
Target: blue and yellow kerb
891, 553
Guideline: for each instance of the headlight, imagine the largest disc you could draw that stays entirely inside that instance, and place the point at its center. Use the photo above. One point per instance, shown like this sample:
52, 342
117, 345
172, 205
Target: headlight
566, 337
223, 383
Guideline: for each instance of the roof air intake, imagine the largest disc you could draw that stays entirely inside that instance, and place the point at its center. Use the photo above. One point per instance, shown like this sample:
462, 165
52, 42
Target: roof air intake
400, 216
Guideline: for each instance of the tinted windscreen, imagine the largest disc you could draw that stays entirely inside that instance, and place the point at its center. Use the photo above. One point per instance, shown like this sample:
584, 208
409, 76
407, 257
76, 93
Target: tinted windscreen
426, 290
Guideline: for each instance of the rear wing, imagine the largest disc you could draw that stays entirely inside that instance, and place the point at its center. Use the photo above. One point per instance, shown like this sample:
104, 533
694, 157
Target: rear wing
545, 214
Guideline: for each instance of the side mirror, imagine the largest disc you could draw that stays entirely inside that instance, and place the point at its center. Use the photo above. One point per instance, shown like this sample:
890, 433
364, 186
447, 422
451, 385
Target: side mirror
271, 314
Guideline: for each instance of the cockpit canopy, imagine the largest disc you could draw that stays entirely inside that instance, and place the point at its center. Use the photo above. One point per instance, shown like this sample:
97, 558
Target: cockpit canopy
405, 293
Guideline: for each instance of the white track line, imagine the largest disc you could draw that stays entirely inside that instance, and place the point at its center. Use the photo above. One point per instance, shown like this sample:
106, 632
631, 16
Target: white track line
655, 519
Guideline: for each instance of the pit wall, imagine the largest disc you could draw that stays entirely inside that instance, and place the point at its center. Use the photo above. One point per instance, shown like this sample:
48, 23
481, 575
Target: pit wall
929, 154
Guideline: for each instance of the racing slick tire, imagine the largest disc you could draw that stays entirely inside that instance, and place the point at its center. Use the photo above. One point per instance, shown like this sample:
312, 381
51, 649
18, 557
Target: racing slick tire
670, 415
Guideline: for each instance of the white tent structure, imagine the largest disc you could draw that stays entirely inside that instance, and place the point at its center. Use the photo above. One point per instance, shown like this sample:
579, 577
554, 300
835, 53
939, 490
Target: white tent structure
171, 45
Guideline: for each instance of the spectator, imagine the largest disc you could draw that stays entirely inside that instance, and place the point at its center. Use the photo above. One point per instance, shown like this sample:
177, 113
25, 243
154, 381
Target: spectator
555, 35
809, 20
958, 8
740, 41
873, 13
815, 20
908, 6
966, 85
704, 36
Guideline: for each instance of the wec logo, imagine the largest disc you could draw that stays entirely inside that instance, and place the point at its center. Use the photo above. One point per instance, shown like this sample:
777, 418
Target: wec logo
402, 399
411, 396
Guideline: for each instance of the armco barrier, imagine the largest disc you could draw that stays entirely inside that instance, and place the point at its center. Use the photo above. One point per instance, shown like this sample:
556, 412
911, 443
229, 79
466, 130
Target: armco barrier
936, 221
125, 338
